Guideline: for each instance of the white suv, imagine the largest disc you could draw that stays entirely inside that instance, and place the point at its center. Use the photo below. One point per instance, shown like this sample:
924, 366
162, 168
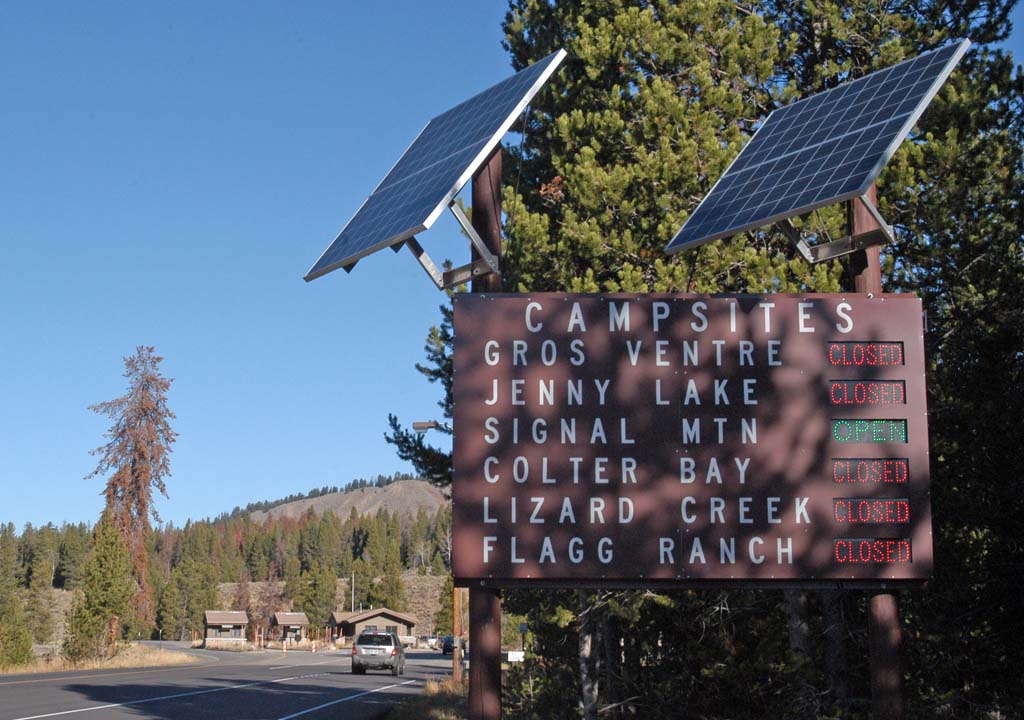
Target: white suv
379, 650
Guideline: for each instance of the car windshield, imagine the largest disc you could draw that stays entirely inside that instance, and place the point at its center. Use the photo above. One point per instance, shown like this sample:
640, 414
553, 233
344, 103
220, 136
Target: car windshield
374, 640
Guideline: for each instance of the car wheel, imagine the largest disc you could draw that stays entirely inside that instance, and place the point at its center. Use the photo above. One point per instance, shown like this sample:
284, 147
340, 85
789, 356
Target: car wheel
394, 669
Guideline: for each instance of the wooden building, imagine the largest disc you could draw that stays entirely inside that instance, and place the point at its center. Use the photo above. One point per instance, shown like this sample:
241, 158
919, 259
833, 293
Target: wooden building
292, 625
224, 625
350, 624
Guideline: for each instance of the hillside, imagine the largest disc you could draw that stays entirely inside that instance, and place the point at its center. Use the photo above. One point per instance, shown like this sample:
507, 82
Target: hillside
406, 497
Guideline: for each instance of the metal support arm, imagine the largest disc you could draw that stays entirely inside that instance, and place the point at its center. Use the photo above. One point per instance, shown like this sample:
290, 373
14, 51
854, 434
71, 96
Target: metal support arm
483, 265
421, 256
478, 244
844, 245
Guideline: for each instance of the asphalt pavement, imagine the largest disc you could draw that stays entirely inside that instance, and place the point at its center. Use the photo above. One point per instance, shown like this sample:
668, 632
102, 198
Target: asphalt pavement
222, 686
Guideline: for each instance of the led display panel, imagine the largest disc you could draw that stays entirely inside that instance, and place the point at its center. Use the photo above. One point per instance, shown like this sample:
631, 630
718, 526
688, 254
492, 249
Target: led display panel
624, 440
432, 171
818, 151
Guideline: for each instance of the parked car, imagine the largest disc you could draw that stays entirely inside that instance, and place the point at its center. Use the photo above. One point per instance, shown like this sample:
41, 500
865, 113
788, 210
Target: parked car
448, 645
379, 650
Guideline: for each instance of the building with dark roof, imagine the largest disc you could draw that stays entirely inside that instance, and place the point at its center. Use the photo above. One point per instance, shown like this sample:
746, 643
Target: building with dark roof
350, 624
224, 625
292, 625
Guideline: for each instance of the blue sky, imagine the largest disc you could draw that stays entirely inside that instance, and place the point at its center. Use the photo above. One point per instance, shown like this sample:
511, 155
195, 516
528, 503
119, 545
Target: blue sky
169, 173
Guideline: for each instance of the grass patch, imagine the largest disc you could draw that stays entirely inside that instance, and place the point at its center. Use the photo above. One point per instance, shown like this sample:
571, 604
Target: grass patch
130, 656
440, 700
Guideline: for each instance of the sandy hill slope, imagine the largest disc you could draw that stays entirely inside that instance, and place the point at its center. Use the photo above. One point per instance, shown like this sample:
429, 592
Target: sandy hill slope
406, 497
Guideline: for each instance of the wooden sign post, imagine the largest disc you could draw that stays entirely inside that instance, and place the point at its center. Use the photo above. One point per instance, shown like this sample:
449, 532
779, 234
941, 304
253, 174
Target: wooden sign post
885, 633
484, 602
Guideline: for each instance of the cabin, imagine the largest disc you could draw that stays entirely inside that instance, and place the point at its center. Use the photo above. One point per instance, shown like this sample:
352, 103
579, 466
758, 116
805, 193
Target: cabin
292, 625
224, 626
350, 624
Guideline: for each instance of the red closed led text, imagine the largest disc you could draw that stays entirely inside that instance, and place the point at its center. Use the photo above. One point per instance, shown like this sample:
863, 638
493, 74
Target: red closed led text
871, 354
870, 470
859, 392
860, 511
876, 551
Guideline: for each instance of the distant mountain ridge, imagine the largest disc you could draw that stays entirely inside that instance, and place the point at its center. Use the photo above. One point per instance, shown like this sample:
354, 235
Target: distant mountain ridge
406, 497
265, 505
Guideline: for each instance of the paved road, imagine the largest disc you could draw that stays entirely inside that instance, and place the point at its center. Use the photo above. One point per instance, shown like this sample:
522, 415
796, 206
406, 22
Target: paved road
223, 686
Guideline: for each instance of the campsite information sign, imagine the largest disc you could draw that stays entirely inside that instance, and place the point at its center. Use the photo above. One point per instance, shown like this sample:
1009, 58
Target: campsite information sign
686, 439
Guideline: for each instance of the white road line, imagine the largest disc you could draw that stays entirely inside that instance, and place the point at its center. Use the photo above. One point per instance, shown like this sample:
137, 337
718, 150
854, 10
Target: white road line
344, 699
166, 697
282, 667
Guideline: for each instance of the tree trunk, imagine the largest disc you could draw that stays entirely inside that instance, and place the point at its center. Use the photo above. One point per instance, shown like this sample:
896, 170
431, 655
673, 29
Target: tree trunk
113, 632
835, 650
800, 645
796, 623
588, 678
631, 675
612, 665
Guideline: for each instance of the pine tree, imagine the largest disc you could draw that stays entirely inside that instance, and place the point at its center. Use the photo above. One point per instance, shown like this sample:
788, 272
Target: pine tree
292, 578
195, 592
389, 590
103, 603
364, 581
655, 101
431, 462
442, 533
171, 613
15, 636
318, 595
310, 547
444, 619
9, 570
137, 459
74, 547
39, 604
417, 549
329, 536
38, 552
437, 566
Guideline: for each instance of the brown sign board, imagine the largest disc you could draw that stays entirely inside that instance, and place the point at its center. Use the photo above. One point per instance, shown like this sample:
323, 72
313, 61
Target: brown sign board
684, 440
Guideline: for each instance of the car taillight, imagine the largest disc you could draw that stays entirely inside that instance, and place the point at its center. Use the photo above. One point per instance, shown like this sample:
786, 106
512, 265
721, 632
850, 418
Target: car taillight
354, 650
394, 651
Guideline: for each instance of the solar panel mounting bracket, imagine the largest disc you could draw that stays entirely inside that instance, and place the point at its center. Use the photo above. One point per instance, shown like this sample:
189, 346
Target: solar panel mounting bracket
460, 275
478, 243
484, 265
843, 246
423, 259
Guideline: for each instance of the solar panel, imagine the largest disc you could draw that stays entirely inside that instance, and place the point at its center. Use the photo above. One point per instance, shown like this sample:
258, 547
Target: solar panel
433, 169
818, 151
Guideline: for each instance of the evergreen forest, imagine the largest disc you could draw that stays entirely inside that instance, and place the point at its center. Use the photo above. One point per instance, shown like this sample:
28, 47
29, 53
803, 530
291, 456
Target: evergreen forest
299, 559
